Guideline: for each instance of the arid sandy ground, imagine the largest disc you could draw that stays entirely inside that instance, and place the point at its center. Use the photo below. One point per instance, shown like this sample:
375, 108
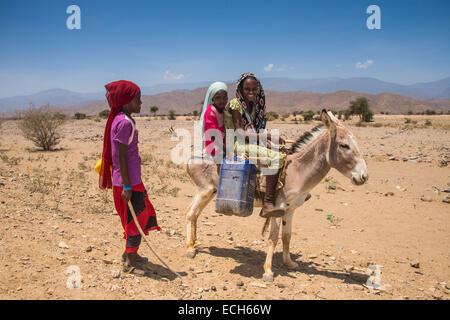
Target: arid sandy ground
53, 215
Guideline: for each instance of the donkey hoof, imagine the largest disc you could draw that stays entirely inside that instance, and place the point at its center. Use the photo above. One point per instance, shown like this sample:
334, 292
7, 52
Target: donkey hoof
268, 277
191, 254
291, 264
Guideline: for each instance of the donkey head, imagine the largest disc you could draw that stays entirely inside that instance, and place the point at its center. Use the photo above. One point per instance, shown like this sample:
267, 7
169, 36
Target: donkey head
344, 154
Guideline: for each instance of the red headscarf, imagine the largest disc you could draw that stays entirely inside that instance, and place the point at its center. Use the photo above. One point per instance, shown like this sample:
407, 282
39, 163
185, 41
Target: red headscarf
118, 93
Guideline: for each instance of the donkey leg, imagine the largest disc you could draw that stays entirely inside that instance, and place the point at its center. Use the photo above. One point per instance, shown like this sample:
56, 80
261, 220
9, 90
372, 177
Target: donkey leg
193, 211
273, 239
286, 238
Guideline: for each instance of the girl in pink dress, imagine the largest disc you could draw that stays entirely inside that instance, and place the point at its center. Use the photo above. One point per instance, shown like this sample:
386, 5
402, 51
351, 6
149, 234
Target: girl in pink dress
212, 118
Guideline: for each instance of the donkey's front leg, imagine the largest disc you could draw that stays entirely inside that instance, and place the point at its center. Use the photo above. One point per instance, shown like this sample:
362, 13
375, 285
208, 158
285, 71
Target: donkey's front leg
273, 239
202, 198
286, 231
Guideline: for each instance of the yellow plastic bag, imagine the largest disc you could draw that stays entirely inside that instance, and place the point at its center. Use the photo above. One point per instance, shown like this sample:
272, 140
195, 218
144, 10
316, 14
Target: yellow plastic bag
98, 167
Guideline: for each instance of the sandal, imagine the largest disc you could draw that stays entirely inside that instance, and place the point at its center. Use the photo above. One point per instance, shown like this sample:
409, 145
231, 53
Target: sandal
133, 270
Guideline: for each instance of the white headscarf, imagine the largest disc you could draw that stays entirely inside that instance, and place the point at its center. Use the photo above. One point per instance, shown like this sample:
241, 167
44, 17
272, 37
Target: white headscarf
212, 90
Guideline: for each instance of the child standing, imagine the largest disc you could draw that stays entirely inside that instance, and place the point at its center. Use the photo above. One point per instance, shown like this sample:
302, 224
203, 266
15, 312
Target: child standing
120, 151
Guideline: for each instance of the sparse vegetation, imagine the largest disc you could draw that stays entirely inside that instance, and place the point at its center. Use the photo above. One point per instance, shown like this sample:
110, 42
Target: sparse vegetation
334, 221
154, 110
172, 115
79, 116
10, 160
271, 115
408, 120
1, 123
308, 115
39, 180
104, 113
360, 107
42, 126
347, 114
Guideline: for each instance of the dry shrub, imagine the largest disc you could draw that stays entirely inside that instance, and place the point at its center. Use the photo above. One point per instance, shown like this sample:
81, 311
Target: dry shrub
42, 126
11, 160
1, 122
39, 180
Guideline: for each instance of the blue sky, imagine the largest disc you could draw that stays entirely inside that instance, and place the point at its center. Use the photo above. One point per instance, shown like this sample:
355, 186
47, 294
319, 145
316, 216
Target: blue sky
152, 42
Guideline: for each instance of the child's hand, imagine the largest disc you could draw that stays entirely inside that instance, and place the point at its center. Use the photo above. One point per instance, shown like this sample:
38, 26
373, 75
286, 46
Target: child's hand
126, 195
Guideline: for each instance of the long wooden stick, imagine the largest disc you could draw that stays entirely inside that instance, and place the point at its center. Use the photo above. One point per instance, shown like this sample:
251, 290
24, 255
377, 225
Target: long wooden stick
148, 242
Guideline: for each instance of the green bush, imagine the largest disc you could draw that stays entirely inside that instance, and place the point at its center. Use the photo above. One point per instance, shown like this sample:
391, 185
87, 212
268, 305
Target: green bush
79, 116
154, 110
271, 115
104, 113
308, 115
367, 116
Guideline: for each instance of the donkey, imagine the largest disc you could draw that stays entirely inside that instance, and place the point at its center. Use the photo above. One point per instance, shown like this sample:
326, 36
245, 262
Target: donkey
329, 145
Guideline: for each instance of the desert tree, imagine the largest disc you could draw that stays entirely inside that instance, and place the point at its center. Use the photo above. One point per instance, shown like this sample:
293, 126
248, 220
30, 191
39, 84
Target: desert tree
154, 110
42, 126
360, 107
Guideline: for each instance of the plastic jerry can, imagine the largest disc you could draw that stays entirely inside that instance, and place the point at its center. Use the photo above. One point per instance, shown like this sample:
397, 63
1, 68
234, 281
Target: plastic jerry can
236, 191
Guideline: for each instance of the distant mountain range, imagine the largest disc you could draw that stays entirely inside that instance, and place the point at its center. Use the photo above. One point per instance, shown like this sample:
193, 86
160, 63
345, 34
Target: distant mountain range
430, 90
285, 93
187, 101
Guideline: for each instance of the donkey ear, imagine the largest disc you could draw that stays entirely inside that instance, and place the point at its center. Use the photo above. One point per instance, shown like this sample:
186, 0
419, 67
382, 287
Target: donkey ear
326, 118
328, 121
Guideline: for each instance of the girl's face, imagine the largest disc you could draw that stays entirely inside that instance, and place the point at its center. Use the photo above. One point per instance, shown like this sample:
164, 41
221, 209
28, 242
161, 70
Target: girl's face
250, 89
135, 104
220, 100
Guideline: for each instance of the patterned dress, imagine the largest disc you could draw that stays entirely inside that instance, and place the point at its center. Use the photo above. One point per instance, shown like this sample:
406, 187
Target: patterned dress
252, 121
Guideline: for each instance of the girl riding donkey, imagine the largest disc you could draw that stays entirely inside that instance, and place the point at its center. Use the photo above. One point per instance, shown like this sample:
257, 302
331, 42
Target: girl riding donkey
246, 114
120, 150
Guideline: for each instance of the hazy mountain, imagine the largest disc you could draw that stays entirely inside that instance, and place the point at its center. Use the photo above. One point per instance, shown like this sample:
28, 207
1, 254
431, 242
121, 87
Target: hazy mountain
424, 91
56, 97
183, 101
436, 89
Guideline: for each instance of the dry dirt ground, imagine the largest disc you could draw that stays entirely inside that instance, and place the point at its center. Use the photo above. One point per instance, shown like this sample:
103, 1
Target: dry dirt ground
53, 216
